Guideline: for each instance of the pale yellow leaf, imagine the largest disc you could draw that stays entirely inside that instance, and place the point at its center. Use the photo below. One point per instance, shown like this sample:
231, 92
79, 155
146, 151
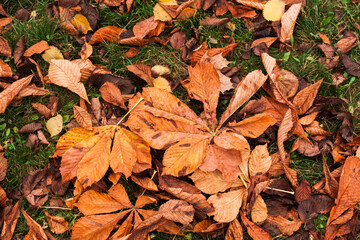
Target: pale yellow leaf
54, 125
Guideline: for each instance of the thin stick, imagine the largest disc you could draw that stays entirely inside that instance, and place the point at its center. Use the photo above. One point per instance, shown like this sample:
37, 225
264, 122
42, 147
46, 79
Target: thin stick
138, 102
52, 207
153, 175
280, 190
243, 181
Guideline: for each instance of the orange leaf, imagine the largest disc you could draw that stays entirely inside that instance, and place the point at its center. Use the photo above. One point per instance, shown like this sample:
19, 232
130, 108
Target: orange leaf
82, 117
109, 33
5, 48
243, 92
10, 221
5, 70
253, 230
204, 85
286, 226
226, 205
112, 94
145, 182
10, 92
260, 160
58, 225
234, 232
67, 74
36, 231
348, 194
142, 71
288, 21
284, 129
324, 38
37, 48
259, 211
304, 99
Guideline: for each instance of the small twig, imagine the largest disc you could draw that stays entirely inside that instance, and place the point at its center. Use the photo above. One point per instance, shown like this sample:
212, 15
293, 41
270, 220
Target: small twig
153, 175
280, 190
243, 181
53, 207
138, 102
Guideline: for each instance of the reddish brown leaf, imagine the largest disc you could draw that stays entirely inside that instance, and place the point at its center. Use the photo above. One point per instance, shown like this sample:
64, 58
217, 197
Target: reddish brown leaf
58, 225
112, 94
9, 93
42, 109
286, 226
5, 48
234, 232
305, 98
253, 230
19, 49
36, 231
5, 70
288, 21
142, 71
10, 221
37, 48
348, 194
109, 33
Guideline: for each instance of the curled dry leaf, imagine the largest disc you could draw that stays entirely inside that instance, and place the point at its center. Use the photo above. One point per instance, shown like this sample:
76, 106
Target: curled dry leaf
36, 231
58, 225
55, 125
37, 48
82, 117
234, 231
254, 231
286, 226
10, 92
67, 74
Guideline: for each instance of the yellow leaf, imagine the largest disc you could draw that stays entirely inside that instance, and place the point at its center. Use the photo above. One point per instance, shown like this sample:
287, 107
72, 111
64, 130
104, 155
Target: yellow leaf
273, 10
161, 14
80, 22
54, 125
52, 53
162, 83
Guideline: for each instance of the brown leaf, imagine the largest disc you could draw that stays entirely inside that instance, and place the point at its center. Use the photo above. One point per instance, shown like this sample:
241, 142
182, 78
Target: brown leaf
212, 182
146, 27
348, 194
82, 117
308, 149
19, 49
10, 221
30, 127
253, 230
303, 191
5, 70
315, 129
284, 129
145, 182
259, 211
3, 166
5, 48
260, 160
234, 232
5, 21
213, 21
352, 67
204, 85
111, 93
305, 98
227, 205
67, 74
86, 51
347, 42
132, 52
186, 192
9, 93
328, 50
243, 92
36, 231
142, 71
58, 225
308, 119
109, 33
42, 109
288, 21
267, 40
37, 48
286, 226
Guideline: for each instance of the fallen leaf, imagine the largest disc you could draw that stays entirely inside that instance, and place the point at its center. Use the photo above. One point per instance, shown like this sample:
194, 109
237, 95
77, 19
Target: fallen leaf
352, 67
273, 10
214, 21
112, 94
324, 38
142, 71
10, 221
7, 95
226, 205
36, 231
55, 125
37, 48
30, 127
104, 34
58, 225
145, 182
286, 226
305, 98
347, 42
67, 74
5, 48
162, 83
288, 21
19, 49
259, 211
81, 23
234, 231
42, 109
52, 53
82, 117
253, 230
5, 70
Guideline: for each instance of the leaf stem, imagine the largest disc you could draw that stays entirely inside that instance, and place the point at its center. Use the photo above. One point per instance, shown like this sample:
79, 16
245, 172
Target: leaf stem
53, 207
138, 102
280, 190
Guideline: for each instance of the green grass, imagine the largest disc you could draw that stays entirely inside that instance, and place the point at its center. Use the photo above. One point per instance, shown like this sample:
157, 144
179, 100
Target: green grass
318, 16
